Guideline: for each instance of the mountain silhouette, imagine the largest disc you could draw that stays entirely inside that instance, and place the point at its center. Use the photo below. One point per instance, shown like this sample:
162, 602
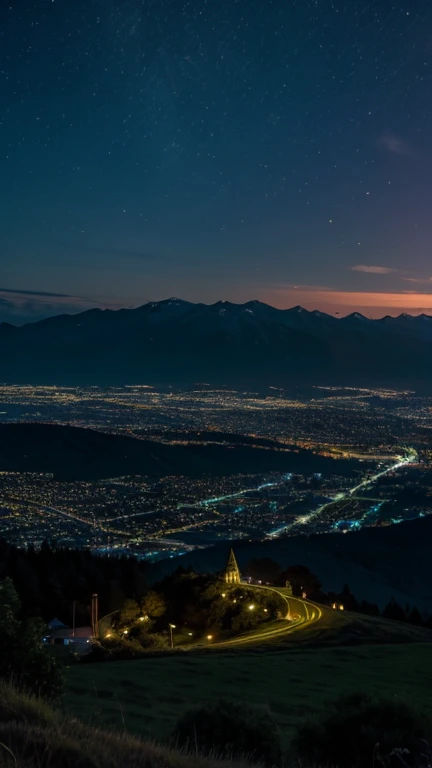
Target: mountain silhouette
177, 342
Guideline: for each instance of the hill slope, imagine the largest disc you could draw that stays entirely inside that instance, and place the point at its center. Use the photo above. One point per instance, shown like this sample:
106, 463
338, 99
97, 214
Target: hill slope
74, 453
175, 341
290, 682
377, 563
34, 736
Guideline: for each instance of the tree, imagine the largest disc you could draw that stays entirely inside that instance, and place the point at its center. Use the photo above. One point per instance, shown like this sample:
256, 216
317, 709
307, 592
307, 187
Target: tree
394, 611
153, 605
129, 613
22, 655
301, 580
264, 569
370, 609
356, 729
415, 617
347, 599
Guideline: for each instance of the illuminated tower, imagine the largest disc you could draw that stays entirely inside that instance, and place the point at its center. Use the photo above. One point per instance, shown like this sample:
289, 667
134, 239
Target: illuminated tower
232, 573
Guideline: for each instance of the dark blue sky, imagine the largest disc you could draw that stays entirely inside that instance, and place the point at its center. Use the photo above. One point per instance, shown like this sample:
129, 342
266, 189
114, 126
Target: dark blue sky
232, 149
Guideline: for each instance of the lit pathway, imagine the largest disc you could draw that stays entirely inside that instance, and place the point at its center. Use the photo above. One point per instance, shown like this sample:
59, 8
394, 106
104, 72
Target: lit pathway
301, 614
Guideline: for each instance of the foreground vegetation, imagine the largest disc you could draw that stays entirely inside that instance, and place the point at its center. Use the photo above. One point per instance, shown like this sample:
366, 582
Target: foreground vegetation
267, 703
290, 682
32, 735
355, 732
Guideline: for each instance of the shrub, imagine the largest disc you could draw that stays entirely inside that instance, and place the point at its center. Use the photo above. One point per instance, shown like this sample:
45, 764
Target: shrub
32, 735
356, 729
114, 649
231, 730
23, 657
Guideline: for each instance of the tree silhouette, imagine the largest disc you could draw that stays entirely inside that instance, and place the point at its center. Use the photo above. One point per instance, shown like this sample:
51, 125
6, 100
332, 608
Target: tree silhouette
394, 611
23, 657
415, 617
301, 580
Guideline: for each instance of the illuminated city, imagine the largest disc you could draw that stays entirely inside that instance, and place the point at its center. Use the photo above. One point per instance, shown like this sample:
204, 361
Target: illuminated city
360, 451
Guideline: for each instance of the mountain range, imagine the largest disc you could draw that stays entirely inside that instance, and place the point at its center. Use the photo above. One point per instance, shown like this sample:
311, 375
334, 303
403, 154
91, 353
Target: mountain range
176, 342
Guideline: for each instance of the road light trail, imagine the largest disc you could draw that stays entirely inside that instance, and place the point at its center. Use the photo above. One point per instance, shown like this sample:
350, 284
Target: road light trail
408, 459
309, 614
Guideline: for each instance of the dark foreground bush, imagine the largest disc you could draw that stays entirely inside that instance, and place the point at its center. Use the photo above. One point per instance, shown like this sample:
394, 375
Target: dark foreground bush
33, 735
230, 730
357, 732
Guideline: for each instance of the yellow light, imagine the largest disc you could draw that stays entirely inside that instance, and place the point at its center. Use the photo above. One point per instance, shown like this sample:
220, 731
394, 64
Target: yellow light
173, 626
125, 631
234, 601
251, 607
209, 637
341, 608
108, 634
223, 594
265, 610
141, 618
190, 634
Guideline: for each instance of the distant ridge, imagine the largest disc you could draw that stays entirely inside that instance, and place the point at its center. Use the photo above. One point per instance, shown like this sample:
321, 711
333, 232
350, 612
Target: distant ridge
175, 342
77, 453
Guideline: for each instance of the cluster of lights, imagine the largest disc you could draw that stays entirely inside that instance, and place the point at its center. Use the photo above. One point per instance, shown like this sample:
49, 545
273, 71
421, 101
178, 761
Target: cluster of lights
338, 607
209, 638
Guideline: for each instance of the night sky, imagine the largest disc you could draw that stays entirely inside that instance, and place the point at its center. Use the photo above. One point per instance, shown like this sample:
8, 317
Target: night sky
215, 149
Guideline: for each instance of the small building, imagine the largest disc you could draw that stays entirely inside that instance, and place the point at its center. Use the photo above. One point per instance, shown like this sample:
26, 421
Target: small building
232, 573
77, 639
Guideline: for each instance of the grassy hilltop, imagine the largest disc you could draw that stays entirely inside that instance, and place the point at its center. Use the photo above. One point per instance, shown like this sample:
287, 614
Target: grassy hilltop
291, 677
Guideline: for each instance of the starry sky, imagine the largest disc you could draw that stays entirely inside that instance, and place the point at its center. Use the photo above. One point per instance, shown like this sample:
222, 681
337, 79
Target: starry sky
278, 150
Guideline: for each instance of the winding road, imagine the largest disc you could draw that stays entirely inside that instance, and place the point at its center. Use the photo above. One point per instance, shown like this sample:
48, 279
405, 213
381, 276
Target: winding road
300, 615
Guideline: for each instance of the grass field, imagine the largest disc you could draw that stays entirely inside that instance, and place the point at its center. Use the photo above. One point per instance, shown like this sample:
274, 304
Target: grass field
147, 696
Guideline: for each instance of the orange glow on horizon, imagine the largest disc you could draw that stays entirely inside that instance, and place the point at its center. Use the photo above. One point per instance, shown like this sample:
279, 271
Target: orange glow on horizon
369, 303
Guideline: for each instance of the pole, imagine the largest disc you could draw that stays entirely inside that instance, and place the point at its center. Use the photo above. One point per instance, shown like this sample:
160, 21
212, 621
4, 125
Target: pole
94, 613
73, 618
172, 641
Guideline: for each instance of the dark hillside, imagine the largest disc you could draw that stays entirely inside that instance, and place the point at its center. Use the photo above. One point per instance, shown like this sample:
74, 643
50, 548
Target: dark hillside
377, 563
34, 736
73, 453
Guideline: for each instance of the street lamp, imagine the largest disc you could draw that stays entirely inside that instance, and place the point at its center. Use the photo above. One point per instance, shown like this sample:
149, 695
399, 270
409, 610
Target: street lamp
251, 607
171, 627
209, 637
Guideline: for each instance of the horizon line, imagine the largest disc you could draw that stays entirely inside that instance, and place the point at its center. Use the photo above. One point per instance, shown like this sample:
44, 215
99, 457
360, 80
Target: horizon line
338, 315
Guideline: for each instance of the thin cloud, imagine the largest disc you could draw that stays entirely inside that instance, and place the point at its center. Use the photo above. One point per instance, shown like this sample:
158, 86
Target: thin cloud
36, 293
22, 305
15, 295
395, 144
423, 280
373, 270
